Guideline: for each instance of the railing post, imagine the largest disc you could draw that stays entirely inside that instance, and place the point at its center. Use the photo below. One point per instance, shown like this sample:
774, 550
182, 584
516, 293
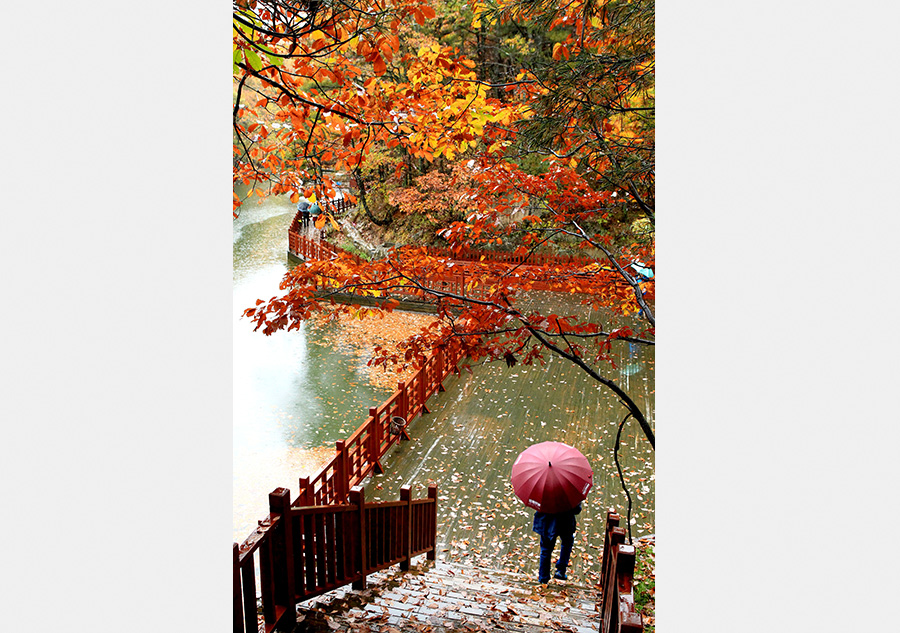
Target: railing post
303, 493
404, 400
629, 620
609, 541
406, 527
280, 503
609, 609
439, 368
406, 409
341, 478
238, 603
375, 440
432, 527
423, 379
358, 499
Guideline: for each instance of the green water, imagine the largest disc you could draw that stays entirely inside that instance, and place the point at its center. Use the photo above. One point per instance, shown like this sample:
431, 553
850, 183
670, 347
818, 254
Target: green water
290, 392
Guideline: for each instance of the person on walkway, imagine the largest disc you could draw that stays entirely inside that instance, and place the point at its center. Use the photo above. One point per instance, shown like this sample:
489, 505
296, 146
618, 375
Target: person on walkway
314, 211
549, 526
303, 208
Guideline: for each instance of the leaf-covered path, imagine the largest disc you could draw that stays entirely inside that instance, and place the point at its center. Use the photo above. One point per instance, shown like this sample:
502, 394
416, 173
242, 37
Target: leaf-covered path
475, 430
442, 597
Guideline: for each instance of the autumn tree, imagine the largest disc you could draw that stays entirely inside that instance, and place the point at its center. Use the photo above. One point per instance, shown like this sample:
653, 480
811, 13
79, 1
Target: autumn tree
561, 165
318, 85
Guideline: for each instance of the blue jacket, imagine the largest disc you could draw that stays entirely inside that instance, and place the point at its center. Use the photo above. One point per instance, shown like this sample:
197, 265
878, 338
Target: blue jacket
552, 525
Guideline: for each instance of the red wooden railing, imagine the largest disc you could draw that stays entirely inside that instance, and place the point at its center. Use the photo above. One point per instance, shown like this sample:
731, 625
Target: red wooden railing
322, 501
617, 582
510, 257
462, 284
304, 551
361, 453
301, 246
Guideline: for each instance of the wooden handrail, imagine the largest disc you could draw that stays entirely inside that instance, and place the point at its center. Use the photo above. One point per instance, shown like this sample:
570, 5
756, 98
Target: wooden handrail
569, 279
360, 454
327, 493
617, 582
309, 550
509, 257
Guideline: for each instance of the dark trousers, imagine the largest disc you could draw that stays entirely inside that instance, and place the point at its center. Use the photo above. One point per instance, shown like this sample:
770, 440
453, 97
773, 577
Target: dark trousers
565, 550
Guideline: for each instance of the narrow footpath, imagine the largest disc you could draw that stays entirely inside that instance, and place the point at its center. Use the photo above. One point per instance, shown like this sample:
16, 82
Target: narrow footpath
440, 597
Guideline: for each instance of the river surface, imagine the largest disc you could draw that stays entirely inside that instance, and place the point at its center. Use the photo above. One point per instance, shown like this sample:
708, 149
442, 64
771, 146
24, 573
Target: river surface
295, 393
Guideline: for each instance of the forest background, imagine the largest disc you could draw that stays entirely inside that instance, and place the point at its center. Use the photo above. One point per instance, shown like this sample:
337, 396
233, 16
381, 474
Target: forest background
774, 161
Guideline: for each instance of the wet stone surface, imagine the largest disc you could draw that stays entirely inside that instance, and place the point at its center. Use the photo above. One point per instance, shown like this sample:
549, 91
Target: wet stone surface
439, 597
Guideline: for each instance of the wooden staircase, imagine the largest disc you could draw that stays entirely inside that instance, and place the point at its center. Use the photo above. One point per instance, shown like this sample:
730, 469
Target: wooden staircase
439, 597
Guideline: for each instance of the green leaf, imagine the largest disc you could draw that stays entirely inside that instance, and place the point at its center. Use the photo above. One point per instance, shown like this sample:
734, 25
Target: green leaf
248, 31
274, 60
253, 59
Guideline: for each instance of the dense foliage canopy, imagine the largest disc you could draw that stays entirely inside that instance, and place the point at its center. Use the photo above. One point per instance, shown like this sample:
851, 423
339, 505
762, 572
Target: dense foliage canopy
516, 126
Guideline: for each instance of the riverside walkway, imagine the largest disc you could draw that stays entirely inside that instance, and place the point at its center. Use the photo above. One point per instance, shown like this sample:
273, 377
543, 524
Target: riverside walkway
475, 430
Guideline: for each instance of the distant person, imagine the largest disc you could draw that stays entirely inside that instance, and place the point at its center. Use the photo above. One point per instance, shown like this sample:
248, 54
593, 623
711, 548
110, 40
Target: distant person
314, 211
549, 526
303, 208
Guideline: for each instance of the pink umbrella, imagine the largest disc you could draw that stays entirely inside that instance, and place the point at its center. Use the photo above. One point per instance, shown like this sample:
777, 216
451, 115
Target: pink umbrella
551, 477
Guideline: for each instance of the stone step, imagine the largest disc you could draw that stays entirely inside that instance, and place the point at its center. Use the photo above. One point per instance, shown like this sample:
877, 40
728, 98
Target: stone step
439, 597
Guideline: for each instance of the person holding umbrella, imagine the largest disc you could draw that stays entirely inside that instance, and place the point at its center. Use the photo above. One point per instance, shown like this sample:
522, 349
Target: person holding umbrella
549, 526
303, 207
553, 478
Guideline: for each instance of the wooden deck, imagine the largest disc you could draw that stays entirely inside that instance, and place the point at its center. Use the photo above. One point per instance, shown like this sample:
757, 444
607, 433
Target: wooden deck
475, 430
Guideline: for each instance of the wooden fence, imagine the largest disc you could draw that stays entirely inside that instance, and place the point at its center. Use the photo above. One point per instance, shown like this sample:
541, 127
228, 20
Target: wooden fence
322, 501
361, 453
617, 581
304, 551
461, 284
510, 257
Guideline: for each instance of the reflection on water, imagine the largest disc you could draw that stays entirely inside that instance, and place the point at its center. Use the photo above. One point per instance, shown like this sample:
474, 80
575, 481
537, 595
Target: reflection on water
291, 396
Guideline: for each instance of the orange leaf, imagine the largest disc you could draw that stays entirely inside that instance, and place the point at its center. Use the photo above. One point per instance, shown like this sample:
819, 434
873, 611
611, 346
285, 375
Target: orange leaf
379, 66
320, 221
